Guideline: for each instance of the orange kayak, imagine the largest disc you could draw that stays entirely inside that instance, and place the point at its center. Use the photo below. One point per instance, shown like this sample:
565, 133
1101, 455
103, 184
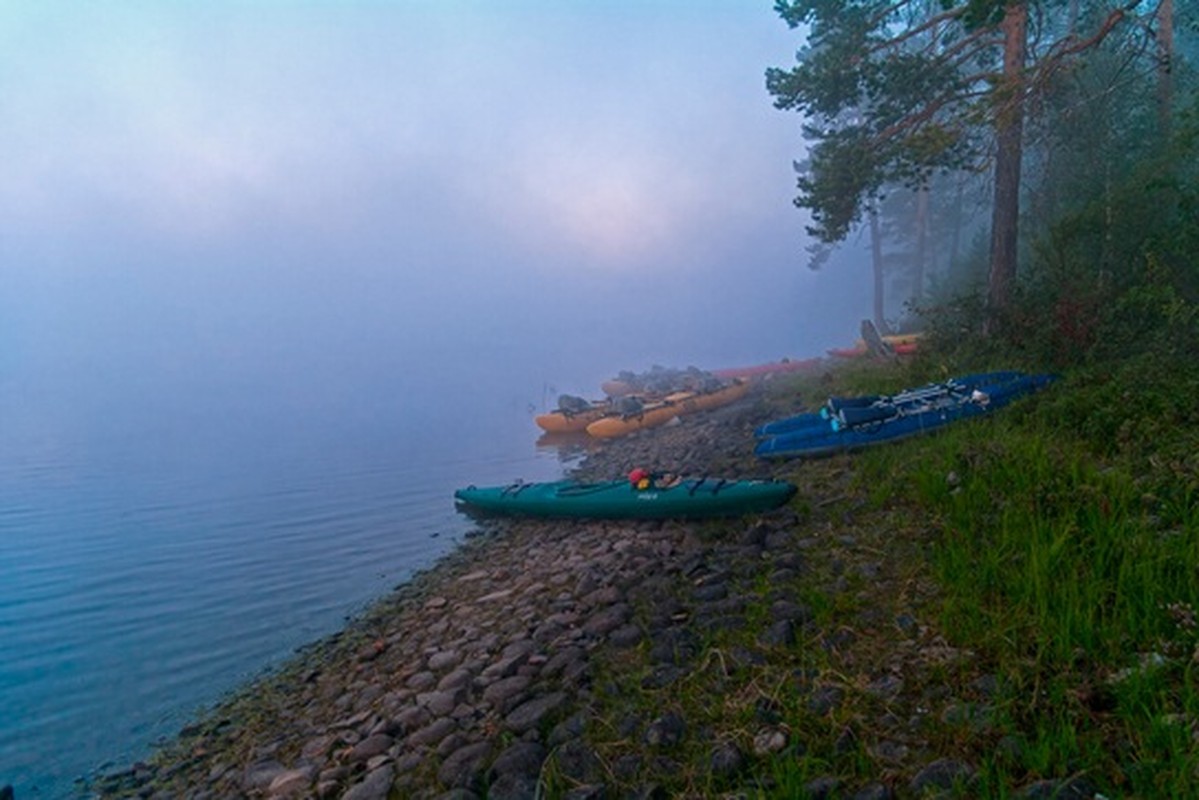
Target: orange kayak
570, 422
902, 344
674, 405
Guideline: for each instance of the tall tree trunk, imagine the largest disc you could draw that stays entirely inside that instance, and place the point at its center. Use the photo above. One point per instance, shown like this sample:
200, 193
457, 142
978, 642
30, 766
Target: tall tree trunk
1165, 79
920, 267
955, 240
1005, 215
876, 259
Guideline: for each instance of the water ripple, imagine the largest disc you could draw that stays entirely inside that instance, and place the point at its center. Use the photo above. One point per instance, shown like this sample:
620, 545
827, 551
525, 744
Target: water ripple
131, 596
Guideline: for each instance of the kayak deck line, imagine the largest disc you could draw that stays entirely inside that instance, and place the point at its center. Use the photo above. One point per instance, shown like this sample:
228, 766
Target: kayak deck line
695, 497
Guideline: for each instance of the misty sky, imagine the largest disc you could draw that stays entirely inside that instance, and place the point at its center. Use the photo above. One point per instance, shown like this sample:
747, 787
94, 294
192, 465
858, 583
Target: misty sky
207, 190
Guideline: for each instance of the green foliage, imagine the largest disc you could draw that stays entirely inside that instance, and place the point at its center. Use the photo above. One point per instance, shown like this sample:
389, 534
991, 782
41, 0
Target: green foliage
876, 105
1066, 555
1113, 279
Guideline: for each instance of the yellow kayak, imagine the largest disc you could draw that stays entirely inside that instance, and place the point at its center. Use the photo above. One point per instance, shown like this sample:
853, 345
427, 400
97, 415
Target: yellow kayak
563, 422
672, 406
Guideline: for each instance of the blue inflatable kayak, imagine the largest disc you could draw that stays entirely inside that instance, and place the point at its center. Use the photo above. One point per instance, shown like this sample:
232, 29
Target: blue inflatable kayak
863, 427
824, 418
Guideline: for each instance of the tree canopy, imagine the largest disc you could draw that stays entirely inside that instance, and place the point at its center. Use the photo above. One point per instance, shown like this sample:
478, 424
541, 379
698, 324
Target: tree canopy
894, 91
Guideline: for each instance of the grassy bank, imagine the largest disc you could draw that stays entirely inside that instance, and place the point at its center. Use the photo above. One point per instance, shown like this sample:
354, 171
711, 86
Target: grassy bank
1007, 607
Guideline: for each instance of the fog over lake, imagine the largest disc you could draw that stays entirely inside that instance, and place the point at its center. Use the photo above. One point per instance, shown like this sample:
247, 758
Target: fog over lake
275, 277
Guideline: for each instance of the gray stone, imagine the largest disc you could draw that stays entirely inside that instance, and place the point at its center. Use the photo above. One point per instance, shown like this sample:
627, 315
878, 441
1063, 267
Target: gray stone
464, 767
260, 774
521, 648
727, 760
795, 612
768, 741
663, 675
512, 787
839, 640
522, 758
370, 747
577, 761
333, 774
587, 792
375, 786
422, 681
466, 714
383, 725
873, 791
434, 732
779, 634
790, 560
673, 646
870, 570
409, 761
502, 693
626, 767
822, 788
725, 622
453, 742
570, 728
625, 636
530, 714
548, 631
710, 592
741, 657
986, 685
607, 620
291, 783
649, 791
781, 576
411, 719
885, 688
441, 661
666, 731
755, 534
506, 666
606, 596
441, 703
940, 774
824, 699
562, 661
974, 714
459, 677
457, 794
730, 605
889, 751
777, 540
587, 584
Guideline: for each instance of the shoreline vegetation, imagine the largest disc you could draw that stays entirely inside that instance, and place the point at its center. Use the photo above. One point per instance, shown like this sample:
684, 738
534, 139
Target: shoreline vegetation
950, 616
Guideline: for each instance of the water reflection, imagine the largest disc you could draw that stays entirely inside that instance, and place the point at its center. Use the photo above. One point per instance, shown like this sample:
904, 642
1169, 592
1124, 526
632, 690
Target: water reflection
568, 448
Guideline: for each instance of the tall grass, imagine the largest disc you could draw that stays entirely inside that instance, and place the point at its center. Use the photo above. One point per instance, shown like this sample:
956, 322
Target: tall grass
1070, 559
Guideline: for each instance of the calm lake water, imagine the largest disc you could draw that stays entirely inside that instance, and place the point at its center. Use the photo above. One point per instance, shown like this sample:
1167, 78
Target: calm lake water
160, 547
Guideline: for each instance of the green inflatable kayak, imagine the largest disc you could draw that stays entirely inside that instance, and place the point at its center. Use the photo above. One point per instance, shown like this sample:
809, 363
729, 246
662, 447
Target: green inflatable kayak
689, 498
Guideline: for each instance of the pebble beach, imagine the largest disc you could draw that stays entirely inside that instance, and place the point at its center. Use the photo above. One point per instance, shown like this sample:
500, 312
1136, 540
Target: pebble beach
508, 670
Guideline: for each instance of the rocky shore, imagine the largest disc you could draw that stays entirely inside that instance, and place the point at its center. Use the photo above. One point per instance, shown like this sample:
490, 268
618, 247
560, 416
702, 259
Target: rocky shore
738, 658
